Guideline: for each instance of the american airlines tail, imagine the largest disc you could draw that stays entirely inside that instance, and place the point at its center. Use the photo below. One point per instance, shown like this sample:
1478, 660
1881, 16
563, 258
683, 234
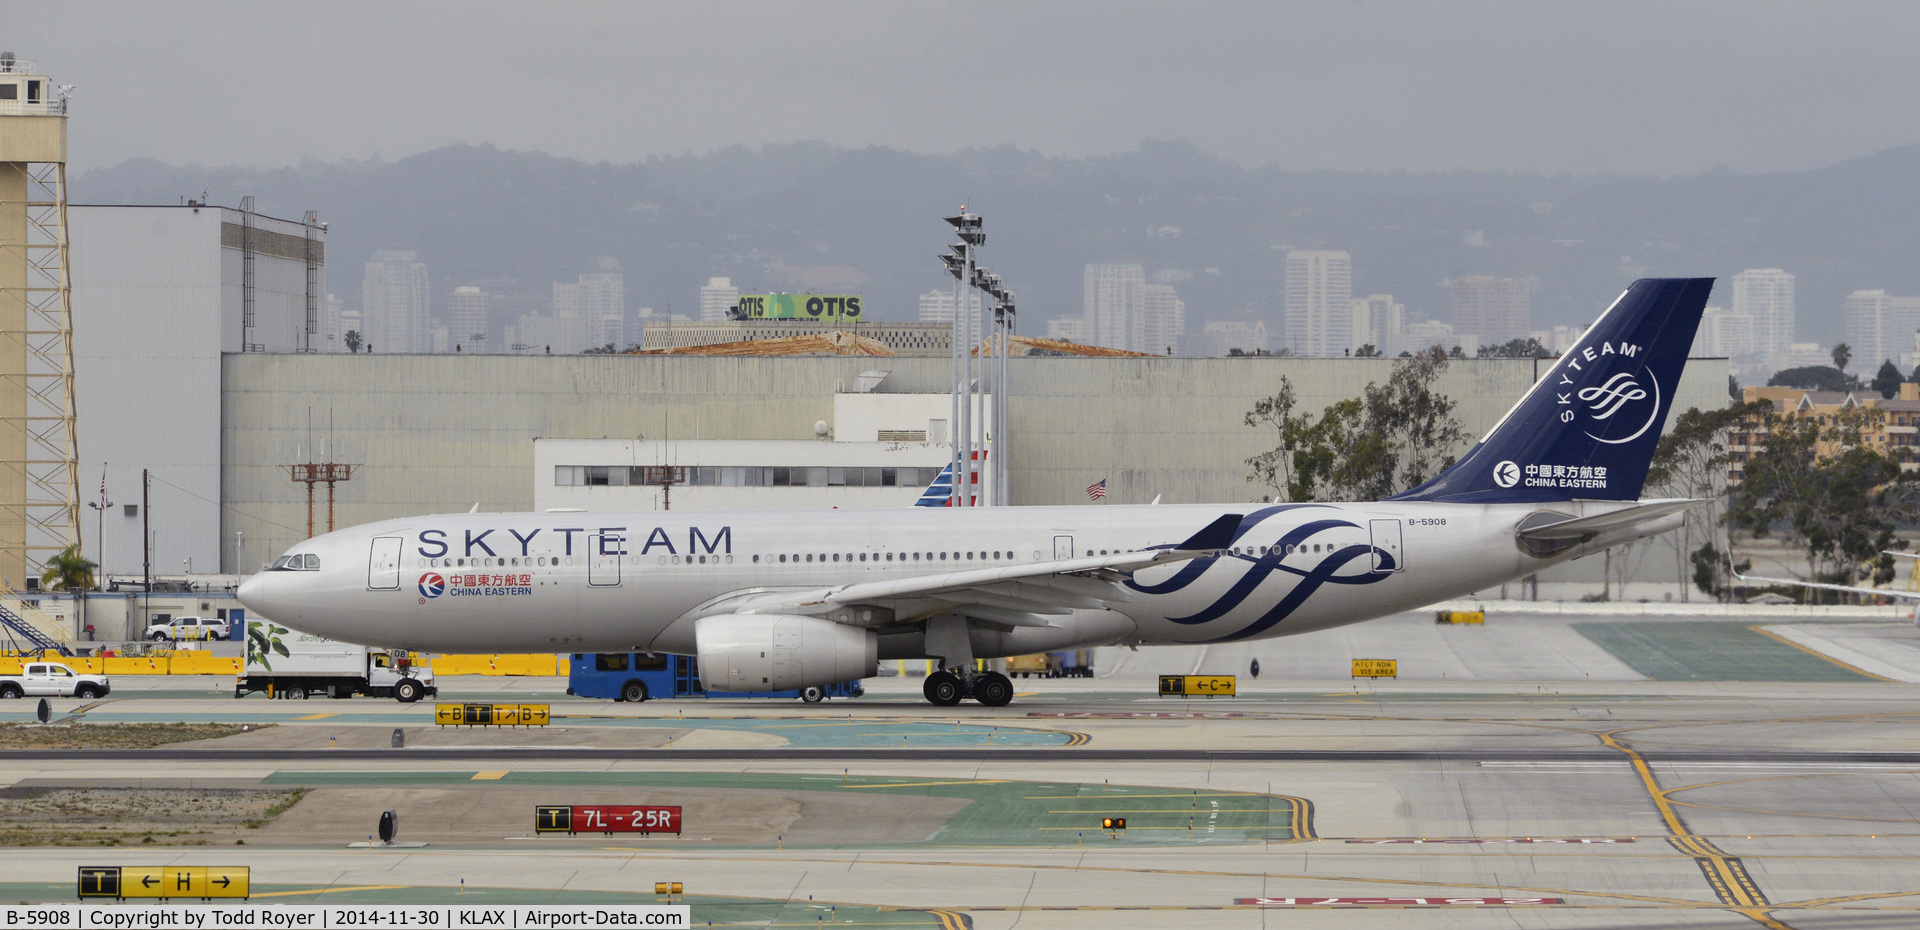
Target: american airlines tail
1588, 430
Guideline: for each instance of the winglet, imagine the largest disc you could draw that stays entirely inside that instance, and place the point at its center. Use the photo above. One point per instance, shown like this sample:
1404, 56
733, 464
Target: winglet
1217, 535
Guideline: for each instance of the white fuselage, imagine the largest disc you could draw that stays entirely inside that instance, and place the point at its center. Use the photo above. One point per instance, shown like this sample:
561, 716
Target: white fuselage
604, 582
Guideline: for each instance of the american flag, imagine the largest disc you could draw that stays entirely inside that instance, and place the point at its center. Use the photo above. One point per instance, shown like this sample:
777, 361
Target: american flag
1097, 490
103, 489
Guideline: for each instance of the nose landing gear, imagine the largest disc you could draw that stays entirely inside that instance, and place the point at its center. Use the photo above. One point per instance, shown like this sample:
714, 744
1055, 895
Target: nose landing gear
946, 689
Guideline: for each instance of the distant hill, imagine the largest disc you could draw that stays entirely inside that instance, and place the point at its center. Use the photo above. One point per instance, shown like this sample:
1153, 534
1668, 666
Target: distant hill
812, 216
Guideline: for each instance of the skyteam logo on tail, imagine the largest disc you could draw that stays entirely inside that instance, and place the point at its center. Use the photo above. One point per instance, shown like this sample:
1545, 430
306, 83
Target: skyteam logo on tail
1616, 403
1622, 394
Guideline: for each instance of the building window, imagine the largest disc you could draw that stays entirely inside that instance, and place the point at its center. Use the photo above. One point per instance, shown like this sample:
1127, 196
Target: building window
131, 510
569, 476
9, 91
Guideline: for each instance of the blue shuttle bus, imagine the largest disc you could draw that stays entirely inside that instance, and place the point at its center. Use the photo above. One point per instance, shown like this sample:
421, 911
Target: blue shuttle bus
639, 676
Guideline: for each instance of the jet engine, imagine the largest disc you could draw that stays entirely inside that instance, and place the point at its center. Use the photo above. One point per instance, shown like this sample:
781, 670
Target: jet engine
772, 652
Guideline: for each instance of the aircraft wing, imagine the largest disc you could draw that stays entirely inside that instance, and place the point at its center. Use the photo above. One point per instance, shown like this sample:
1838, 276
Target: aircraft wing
1010, 595
1874, 592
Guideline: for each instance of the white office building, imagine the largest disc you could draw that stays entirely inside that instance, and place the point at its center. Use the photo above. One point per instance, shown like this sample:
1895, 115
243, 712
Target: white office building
1377, 320
1114, 301
1766, 295
467, 319
395, 303
716, 299
1224, 336
1881, 327
1319, 303
603, 309
936, 306
1163, 321
1724, 333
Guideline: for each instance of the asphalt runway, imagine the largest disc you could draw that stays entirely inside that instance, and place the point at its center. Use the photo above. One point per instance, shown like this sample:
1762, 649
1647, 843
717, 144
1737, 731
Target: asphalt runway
1666, 793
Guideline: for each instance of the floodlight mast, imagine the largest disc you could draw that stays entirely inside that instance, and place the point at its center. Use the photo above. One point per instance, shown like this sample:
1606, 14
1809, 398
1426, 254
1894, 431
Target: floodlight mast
968, 225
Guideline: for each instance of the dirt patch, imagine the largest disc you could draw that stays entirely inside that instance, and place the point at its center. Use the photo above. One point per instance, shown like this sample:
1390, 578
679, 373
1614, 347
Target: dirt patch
46, 816
481, 815
113, 735
321, 735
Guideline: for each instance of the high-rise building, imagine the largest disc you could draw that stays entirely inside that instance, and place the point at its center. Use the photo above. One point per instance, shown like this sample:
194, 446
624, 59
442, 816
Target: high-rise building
603, 309
467, 319
1114, 302
1880, 328
717, 298
1319, 302
1766, 295
936, 306
1163, 320
395, 301
334, 325
1495, 309
1724, 333
1075, 329
1377, 319
1225, 336
564, 332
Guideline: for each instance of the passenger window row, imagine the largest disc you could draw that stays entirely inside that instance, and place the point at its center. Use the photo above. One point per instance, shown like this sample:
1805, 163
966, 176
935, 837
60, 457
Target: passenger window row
749, 476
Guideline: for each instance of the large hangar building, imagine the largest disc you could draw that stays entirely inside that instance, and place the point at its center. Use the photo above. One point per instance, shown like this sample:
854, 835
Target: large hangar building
441, 433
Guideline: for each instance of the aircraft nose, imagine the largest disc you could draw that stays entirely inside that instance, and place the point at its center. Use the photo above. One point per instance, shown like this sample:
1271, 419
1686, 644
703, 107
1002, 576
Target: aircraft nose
254, 593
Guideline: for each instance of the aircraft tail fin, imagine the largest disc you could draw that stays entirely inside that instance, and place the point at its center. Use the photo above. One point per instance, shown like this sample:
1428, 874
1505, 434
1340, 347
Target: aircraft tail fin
1588, 429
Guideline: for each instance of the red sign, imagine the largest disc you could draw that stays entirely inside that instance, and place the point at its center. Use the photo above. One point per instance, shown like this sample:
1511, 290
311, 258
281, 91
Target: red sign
1395, 902
607, 818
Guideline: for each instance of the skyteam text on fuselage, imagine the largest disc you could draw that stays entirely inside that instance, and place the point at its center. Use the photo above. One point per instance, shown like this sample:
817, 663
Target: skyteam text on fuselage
784, 599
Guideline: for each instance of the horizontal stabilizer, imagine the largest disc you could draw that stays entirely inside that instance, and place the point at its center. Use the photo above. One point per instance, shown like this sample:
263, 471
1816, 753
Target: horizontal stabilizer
1577, 528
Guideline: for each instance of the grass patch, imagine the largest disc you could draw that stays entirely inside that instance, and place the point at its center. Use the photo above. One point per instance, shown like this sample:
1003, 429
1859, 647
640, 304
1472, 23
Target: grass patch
49, 816
112, 735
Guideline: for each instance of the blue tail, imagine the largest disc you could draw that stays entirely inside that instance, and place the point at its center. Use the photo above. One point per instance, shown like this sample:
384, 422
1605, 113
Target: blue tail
1587, 431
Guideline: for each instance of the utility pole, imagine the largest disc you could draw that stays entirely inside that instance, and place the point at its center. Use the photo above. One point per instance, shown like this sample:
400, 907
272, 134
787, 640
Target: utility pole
146, 550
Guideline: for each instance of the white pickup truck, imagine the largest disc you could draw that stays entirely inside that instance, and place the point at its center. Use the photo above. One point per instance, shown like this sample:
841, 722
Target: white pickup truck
52, 679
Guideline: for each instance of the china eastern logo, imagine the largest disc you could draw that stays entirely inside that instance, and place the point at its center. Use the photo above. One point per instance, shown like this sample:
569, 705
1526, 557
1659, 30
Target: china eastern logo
432, 585
1622, 401
1506, 474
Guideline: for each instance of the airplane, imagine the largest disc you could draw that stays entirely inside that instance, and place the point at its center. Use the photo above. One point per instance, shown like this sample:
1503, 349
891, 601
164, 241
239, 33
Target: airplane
777, 600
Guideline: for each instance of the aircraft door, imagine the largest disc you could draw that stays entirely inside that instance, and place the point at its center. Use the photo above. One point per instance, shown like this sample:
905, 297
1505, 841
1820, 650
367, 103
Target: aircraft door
1063, 547
1388, 553
603, 560
383, 563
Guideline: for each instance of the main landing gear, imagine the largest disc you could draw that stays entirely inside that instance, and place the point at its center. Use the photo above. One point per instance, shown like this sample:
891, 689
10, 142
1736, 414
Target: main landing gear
945, 689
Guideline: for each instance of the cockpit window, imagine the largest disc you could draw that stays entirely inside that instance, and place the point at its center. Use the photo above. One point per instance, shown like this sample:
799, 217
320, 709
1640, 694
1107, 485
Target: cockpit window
302, 562
313, 562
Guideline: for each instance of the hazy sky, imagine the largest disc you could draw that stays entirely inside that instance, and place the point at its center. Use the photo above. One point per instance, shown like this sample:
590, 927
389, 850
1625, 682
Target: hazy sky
1632, 87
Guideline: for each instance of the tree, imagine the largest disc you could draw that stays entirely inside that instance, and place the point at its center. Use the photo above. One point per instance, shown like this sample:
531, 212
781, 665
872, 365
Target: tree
1842, 354
1367, 351
1691, 461
353, 340
1517, 348
1887, 380
1813, 378
1393, 437
1819, 485
68, 570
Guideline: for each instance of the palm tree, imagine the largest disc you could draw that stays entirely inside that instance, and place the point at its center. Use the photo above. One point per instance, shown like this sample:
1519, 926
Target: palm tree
68, 570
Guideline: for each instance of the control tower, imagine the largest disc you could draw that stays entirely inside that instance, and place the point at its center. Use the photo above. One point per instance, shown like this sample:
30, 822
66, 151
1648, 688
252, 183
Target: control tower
39, 502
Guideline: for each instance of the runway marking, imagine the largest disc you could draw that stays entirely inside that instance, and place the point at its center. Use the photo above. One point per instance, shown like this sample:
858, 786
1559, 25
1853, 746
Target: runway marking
1819, 655
488, 776
952, 920
288, 894
316, 716
929, 784
1725, 874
